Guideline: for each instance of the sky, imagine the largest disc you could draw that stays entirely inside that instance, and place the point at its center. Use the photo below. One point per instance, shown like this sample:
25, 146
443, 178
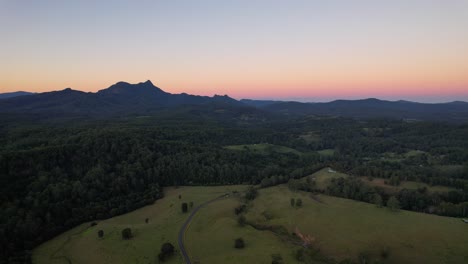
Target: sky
296, 50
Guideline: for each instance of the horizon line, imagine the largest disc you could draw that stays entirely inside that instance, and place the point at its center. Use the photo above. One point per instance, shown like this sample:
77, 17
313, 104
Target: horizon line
305, 99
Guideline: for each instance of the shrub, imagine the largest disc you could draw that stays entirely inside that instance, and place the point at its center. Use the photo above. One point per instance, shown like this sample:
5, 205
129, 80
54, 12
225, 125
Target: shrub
184, 207
167, 250
298, 202
241, 220
100, 233
385, 252
276, 259
300, 254
127, 233
240, 209
239, 243
251, 193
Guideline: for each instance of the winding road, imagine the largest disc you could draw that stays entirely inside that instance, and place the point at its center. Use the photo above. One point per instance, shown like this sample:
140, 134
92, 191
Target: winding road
181, 236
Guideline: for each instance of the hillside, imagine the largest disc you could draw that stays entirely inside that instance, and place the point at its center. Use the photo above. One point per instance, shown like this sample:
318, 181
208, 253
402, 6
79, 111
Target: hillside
375, 108
14, 94
339, 228
119, 99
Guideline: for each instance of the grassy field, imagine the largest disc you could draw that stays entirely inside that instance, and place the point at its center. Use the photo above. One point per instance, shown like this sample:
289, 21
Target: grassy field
310, 137
165, 220
264, 149
410, 185
324, 176
210, 238
326, 152
344, 228
341, 228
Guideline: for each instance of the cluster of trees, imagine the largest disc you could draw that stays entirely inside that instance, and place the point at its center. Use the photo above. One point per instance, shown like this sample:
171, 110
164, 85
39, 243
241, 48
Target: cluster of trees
296, 202
452, 203
56, 175
167, 250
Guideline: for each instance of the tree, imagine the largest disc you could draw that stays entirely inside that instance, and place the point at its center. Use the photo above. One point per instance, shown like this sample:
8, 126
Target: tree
239, 243
146, 220
298, 202
241, 220
276, 259
378, 200
180, 196
240, 209
393, 203
251, 193
184, 207
167, 250
127, 234
191, 204
293, 202
100, 233
300, 255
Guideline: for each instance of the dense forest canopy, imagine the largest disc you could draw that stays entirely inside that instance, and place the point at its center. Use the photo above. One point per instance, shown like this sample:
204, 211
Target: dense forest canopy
57, 173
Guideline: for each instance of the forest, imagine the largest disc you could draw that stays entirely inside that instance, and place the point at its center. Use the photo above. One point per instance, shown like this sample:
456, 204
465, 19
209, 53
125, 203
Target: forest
58, 173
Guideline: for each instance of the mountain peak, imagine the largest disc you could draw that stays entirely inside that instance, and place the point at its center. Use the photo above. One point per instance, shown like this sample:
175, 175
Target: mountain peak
132, 89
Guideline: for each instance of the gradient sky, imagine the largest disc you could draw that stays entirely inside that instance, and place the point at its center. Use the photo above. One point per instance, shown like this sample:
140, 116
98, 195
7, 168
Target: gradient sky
303, 50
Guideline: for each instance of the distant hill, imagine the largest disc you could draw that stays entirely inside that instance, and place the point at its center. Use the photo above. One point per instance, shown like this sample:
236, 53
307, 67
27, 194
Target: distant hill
375, 108
259, 103
122, 99
14, 94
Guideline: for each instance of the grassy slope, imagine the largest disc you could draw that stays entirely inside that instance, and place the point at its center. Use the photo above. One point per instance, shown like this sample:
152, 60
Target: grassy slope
344, 228
324, 176
165, 220
326, 152
210, 238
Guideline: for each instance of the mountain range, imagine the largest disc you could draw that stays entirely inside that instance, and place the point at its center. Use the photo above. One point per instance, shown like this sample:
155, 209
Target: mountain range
13, 94
145, 98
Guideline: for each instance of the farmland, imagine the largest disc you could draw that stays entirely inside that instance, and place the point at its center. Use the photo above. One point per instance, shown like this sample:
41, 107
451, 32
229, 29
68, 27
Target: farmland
340, 228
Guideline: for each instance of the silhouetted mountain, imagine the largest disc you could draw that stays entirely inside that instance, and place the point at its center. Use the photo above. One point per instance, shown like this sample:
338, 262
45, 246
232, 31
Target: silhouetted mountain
375, 108
119, 99
122, 99
260, 103
14, 94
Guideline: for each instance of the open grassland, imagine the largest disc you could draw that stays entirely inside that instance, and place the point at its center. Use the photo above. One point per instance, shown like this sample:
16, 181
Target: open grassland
340, 228
344, 228
82, 245
326, 152
264, 148
210, 238
324, 176
310, 137
410, 185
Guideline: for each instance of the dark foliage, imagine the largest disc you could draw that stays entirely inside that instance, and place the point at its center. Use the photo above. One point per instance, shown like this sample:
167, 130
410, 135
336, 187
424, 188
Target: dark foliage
239, 243
167, 250
127, 234
57, 173
184, 207
251, 193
